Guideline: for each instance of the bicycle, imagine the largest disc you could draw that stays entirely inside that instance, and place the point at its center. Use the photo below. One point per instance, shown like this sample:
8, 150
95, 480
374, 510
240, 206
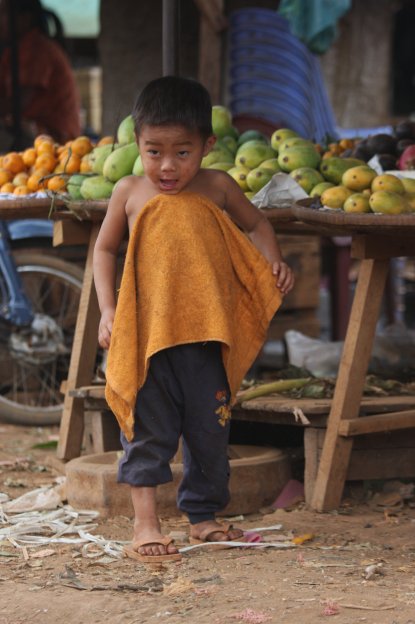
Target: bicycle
39, 300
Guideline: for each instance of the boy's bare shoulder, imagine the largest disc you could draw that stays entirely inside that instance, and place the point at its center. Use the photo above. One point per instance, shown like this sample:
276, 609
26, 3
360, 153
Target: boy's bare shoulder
215, 175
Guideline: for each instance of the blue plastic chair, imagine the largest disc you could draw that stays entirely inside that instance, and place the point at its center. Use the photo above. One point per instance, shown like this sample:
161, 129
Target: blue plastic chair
272, 74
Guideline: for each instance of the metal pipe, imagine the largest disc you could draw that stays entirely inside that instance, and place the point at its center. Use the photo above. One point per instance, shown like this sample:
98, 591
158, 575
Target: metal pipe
14, 67
170, 57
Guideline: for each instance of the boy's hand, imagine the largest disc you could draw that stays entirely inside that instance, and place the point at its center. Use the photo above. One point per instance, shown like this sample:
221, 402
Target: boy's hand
105, 328
284, 276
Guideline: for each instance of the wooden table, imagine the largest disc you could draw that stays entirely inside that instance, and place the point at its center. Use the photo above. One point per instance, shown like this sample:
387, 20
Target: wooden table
375, 247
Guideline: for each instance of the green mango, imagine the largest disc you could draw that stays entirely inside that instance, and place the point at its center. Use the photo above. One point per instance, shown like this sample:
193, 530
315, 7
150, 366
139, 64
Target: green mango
221, 166
357, 203
259, 177
138, 169
307, 178
250, 135
271, 163
280, 135
99, 155
74, 185
319, 189
96, 187
230, 143
125, 131
334, 168
335, 196
298, 156
388, 202
120, 162
221, 121
219, 153
252, 153
239, 174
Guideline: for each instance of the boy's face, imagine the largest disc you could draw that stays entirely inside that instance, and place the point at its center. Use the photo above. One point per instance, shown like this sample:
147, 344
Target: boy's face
171, 156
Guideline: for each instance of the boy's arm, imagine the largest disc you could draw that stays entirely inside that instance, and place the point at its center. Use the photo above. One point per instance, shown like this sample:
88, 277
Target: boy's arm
106, 248
259, 230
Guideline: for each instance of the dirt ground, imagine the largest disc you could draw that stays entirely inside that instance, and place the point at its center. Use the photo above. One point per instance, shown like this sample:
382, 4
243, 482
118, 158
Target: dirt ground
358, 567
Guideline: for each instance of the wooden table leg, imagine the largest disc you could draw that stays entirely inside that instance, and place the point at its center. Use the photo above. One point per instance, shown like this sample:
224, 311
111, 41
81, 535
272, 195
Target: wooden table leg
81, 367
357, 350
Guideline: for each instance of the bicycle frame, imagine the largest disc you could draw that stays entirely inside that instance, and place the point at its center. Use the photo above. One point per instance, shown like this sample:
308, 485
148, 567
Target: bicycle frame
15, 308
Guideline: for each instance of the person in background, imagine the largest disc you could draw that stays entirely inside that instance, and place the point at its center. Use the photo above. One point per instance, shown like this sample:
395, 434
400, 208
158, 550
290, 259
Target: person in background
49, 100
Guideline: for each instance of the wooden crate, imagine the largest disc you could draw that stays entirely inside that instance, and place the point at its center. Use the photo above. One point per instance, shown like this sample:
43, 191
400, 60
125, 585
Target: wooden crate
89, 83
388, 455
304, 321
302, 253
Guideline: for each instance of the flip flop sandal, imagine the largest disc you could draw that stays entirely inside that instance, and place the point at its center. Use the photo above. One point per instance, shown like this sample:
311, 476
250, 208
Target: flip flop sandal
132, 551
204, 537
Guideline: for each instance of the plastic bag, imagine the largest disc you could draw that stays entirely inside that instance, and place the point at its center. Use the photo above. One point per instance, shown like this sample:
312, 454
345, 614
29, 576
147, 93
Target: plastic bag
280, 192
393, 351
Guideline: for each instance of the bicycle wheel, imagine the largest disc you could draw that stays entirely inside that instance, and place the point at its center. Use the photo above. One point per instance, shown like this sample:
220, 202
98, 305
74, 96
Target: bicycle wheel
35, 360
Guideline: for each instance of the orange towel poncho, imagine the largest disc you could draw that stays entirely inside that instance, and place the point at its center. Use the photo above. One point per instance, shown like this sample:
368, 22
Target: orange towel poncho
190, 275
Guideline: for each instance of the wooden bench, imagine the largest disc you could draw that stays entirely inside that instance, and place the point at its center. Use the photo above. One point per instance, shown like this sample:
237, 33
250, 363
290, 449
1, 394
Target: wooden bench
385, 453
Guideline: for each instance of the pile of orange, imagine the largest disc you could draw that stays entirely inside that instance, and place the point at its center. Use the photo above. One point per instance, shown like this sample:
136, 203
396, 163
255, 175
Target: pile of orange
337, 148
45, 165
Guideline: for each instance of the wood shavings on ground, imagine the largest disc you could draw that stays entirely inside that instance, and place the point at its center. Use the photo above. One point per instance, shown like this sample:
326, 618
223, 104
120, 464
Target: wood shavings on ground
330, 608
251, 616
28, 530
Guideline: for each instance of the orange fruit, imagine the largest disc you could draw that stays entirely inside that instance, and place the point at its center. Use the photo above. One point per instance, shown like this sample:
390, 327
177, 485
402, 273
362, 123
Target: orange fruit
57, 183
71, 164
85, 166
13, 162
21, 190
5, 176
64, 155
1, 162
41, 138
7, 188
81, 145
59, 168
45, 147
34, 182
46, 161
105, 140
29, 156
20, 178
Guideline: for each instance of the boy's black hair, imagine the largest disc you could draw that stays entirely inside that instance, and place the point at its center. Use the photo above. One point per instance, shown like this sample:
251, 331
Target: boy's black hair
173, 100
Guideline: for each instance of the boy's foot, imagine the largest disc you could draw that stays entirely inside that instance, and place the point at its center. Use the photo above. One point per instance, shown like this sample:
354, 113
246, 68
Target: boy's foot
213, 531
152, 547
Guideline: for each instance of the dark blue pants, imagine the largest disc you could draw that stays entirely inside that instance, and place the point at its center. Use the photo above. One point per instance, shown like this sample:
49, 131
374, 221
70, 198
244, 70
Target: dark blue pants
186, 393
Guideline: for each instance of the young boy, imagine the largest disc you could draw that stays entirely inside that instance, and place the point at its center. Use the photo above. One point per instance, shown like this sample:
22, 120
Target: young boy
194, 304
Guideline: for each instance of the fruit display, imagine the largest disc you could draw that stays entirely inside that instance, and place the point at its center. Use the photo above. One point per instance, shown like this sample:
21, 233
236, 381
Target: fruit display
339, 173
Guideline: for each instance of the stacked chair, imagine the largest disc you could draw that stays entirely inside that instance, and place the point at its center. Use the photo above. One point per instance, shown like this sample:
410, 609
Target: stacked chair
274, 77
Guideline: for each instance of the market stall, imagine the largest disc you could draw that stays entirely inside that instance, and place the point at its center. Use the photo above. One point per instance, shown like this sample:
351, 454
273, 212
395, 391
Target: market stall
375, 241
